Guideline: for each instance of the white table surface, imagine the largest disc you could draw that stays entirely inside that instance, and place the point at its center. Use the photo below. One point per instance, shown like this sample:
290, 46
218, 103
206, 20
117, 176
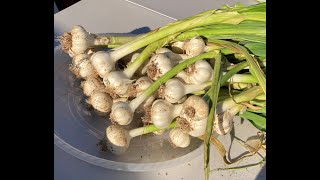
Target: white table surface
121, 16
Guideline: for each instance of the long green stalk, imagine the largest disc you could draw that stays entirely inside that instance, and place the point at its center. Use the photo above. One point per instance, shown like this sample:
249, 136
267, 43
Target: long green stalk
254, 65
213, 93
231, 17
241, 97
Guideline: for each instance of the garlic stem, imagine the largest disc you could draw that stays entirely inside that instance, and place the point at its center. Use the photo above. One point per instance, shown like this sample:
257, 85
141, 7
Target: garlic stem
241, 97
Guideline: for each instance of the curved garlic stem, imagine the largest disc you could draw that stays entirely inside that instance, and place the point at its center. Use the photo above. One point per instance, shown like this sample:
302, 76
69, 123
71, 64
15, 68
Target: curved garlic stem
241, 97
223, 122
178, 138
163, 113
174, 89
171, 55
241, 78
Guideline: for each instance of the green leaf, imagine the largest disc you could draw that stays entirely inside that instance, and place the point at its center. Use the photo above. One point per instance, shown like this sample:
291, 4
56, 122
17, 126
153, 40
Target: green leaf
257, 120
258, 49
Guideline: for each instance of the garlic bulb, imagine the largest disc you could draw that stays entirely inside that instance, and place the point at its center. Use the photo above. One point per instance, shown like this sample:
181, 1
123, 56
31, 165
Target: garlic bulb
174, 89
200, 72
159, 64
163, 113
102, 62
121, 113
177, 47
118, 139
92, 84
178, 138
100, 101
194, 47
171, 55
223, 123
82, 67
76, 41
117, 83
193, 116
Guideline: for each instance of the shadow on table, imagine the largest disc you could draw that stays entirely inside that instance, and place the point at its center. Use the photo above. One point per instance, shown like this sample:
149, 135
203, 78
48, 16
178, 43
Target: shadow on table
262, 173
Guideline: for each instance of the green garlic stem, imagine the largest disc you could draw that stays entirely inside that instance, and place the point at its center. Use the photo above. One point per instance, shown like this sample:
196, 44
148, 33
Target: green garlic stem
231, 17
148, 129
241, 97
